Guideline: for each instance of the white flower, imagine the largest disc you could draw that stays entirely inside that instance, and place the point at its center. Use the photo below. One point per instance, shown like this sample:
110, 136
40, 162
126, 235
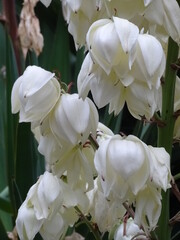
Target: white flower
27, 224
74, 119
105, 212
112, 44
103, 133
79, 16
71, 123
141, 101
128, 231
149, 64
34, 94
56, 228
124, 9
123, 165
167, 14
160, 168
48, 208
148, 207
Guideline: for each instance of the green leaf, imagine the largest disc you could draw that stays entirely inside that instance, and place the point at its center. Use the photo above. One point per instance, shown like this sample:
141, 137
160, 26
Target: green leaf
3, 234
5, 205
26, 161
55, 56
11, 123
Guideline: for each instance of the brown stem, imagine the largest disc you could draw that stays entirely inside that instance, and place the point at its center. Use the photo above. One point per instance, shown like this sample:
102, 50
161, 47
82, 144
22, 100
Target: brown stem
9, 12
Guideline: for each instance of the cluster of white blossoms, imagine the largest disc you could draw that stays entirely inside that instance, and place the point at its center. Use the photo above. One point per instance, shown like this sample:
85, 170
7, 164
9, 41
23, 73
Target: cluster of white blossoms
159, 17
121, 170
126, 72
89, 168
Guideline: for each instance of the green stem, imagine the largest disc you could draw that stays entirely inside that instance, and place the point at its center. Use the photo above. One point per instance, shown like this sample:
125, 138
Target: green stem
165, 133
91, 228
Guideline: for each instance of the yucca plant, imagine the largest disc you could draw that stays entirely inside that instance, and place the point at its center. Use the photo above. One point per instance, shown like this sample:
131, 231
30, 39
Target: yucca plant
21, 162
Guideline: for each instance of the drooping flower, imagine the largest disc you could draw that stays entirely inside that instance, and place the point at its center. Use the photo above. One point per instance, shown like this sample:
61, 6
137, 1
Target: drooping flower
123, 166
105, 212
167, 14
148, 207
74, 119
149, 64
112, 43
141, 99
71, 123
34, 94
48, 209
129, 230
160, 173
79, 16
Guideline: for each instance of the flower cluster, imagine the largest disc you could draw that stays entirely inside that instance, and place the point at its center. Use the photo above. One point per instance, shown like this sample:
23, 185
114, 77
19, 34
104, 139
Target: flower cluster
125, 71
129, 172
126, 170
61, 124
88, 168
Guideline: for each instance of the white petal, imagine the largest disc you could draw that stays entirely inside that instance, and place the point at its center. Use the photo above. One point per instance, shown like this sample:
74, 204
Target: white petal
127, 33
27, 224
84, 77
34, 78
53, 229
152, 54
46, 2
15, 102
172, 19
79, 109
141, 100
103, 44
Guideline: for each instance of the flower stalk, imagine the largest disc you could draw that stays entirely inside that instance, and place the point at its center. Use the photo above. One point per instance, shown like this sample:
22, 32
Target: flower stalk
165, 133
91, 228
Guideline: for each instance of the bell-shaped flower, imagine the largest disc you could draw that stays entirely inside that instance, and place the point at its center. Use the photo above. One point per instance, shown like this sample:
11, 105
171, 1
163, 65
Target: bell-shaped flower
46, 196
123, 165
34, 94
92, 77
149, 64
103, 133
141, 99
104, 212
27, 225
77, 165
48, 208
167, 14
148, 207
74, 119
56, 228
111, 44
123, 9
129, 230
80, 15
53, 229
160, 173
43, 200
